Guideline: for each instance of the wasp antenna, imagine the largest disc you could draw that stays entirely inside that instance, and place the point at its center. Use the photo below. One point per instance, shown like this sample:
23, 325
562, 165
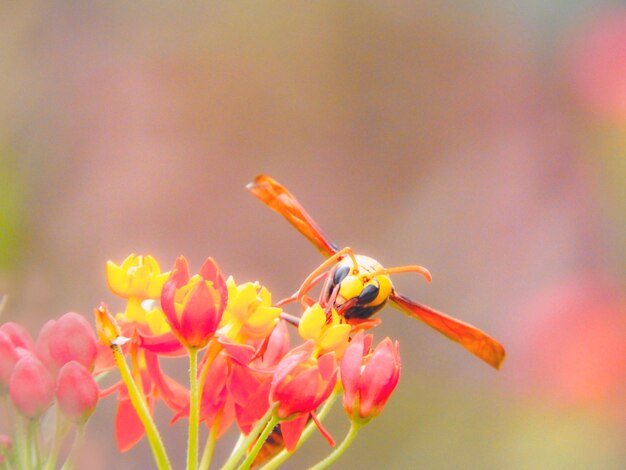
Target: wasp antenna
355, 264
407, 269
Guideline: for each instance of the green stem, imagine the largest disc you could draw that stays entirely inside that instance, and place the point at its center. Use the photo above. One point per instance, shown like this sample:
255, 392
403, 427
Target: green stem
207, 454
35, 438
59, 435
21, 443
340, 449
26, 444
259, 442
142, 410
284, 454
78, 437
194, 410
239, 452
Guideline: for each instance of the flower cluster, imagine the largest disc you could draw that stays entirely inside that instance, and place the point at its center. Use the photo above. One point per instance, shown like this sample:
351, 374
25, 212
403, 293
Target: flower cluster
243, 369
53, 375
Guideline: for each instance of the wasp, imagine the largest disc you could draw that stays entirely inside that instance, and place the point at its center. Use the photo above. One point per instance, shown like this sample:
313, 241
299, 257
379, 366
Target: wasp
358, 286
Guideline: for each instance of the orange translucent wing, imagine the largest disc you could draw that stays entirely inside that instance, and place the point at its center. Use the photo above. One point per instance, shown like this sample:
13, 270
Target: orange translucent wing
471, 338
277, 197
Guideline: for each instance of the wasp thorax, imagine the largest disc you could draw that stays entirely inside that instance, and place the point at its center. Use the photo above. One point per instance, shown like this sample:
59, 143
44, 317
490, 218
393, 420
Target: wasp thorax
363, 288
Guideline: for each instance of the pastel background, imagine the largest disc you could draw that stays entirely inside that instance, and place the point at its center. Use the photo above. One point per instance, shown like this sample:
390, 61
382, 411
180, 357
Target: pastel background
484, 140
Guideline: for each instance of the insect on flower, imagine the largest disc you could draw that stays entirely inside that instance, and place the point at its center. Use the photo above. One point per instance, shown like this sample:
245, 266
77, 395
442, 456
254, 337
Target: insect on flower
358, 286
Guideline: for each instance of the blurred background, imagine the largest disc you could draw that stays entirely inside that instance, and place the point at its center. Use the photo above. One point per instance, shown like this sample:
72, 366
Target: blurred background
483, 140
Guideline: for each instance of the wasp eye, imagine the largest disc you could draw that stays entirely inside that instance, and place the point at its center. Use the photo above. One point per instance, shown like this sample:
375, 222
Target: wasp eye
368, 294
340, 273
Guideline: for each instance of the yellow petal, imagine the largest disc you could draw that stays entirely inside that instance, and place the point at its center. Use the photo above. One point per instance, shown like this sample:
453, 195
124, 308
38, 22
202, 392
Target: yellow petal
117, 279
335, 337
156, 285
312, 322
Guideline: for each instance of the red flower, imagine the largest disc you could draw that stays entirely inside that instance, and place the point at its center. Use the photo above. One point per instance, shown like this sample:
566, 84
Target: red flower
194, 305
300, 384
369, 377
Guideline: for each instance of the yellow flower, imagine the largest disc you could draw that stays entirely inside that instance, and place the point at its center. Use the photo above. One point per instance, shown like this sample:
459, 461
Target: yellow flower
327, 334
249, 313
137, 276
147, 314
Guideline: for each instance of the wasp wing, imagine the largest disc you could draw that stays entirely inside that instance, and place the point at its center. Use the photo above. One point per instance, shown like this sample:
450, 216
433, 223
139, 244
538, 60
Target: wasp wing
471, 338
277, 197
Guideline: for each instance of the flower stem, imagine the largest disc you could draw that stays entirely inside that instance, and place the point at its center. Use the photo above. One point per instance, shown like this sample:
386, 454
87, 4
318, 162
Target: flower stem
259, 443
207, 455
194, 410
242, 446
340, 449
60, 431
141, 408
284, 454
78, 438
35, 438
21, 443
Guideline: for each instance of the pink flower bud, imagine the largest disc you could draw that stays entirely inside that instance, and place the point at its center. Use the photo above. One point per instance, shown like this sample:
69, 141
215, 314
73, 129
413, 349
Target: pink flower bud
19, 336
72, 338
42, 345
8, 358
369, 376
76, 392
31, 387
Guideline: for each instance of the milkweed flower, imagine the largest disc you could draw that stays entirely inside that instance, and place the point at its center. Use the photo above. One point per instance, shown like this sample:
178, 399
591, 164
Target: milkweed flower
369, 376
71, 338
194, 305
9, 356
301, 383
31, 387
76, 392
329, 333
249, 313
128, 427
138, 276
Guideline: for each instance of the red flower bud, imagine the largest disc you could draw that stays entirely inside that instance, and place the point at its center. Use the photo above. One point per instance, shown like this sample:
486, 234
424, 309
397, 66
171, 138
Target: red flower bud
369, 377
72, 339
31, 387
194, 305
76, 392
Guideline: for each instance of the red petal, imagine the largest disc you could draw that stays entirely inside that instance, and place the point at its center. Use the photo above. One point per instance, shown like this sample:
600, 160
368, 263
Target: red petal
379, 378
166, 344
180, 272
292, 430
298, 395
199, 319
240, 353
323, 430
211, 272
128, 427
351, 369
168, 294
